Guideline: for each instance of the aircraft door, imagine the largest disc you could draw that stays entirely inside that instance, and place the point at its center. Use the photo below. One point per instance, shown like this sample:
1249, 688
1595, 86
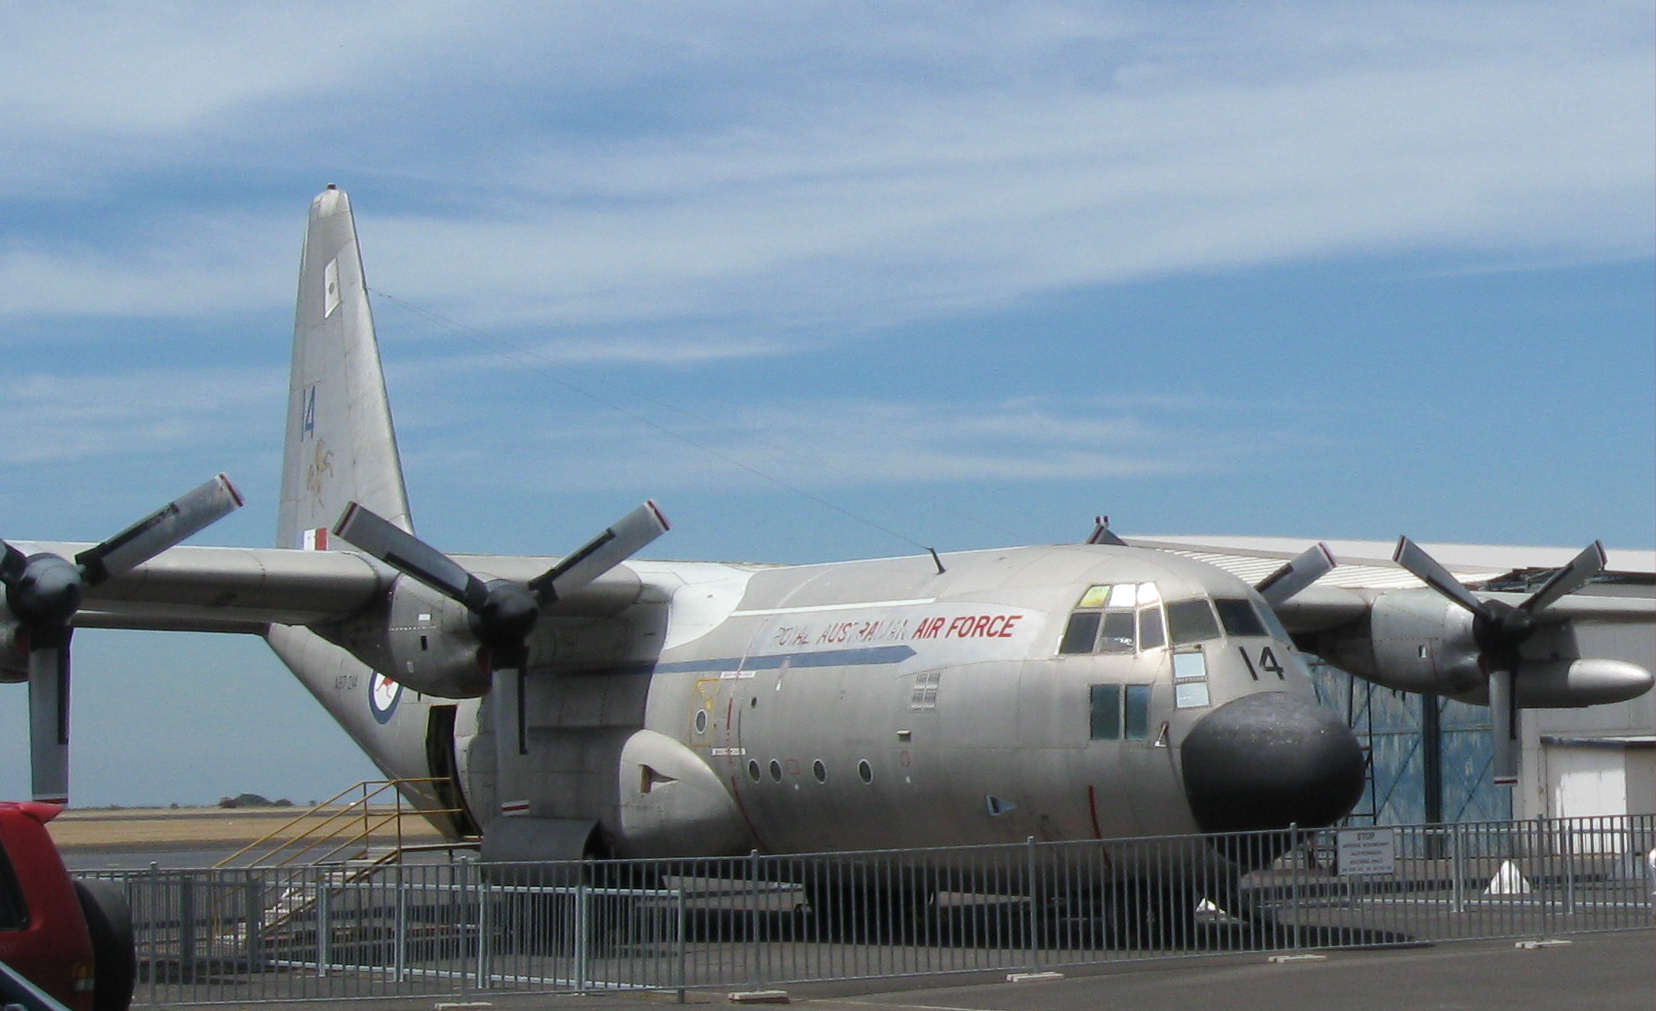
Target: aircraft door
445, 773
716, 720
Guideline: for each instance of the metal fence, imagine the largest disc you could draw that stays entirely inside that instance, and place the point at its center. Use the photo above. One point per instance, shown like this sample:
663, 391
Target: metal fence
464, 928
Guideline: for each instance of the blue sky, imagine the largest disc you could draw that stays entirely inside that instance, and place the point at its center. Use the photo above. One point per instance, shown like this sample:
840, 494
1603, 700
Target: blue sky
1295, 269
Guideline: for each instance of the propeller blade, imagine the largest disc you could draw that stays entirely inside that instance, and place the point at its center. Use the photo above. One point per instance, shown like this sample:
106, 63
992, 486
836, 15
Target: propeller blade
1426, 568
408, 554
506, 706
1572, 577
12, 564
601, 554
1296, 574
49, 721
1503, 727
160, 530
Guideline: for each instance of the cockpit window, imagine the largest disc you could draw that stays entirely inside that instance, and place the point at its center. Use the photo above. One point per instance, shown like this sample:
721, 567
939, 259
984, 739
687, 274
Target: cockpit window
1118, 632
1150, 628
1238, 617
1191, 621
1115, 618
1081, 633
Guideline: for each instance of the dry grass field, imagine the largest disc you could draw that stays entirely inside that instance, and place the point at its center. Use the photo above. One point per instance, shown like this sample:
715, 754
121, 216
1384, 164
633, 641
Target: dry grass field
213, 826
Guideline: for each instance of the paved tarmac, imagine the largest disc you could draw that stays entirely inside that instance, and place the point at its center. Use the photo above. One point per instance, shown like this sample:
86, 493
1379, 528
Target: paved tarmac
1601, 972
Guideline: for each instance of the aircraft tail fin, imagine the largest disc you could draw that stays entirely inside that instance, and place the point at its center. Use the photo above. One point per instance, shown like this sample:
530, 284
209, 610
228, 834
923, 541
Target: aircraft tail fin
340, 445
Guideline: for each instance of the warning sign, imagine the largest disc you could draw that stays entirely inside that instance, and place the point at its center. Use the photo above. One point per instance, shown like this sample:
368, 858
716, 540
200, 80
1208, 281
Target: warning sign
1366, 851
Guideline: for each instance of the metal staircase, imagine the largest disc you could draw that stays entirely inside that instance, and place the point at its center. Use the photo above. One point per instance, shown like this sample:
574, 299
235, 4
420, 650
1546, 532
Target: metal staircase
338, 843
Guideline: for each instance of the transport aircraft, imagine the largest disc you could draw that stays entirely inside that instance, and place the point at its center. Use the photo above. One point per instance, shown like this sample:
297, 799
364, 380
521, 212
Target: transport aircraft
598, 704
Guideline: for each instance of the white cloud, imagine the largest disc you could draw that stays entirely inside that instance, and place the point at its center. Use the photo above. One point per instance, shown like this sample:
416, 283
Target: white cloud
63, 420
816, 443
764, 179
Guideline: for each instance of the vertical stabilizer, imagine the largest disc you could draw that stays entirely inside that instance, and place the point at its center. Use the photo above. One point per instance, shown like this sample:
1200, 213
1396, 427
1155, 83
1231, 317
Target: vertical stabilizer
340, 444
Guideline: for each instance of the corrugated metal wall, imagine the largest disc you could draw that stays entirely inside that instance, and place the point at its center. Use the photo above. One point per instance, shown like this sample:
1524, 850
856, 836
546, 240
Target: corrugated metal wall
1391, 724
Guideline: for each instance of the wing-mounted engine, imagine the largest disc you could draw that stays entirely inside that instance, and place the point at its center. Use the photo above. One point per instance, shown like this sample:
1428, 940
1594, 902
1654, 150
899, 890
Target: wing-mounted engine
419, 637
1411, 640
43, 593
1503, 650
500, 616
1416, 641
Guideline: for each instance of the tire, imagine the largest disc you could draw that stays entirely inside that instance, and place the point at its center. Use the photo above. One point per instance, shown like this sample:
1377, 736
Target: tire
114, 957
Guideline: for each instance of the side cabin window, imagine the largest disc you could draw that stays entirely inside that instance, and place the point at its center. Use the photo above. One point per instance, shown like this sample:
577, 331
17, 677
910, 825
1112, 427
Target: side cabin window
1111, 720
1115, 618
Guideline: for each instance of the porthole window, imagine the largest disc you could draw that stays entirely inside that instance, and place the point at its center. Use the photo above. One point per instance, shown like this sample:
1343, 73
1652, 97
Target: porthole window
865, 771
753, 769
820, 771
701, 721
776, 771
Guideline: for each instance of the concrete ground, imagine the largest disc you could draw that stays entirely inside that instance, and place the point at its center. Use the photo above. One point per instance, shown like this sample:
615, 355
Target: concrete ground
1603, 972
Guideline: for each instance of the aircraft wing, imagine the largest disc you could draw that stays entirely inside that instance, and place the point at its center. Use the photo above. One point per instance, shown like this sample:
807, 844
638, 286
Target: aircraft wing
209, 589
212, 589
1339, 596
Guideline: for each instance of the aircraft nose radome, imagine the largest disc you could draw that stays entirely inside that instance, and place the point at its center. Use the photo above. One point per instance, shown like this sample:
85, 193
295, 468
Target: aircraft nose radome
1269, 761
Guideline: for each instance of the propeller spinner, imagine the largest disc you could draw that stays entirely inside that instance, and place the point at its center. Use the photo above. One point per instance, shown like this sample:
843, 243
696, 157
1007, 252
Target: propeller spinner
44, 591
503, 612
1499, 630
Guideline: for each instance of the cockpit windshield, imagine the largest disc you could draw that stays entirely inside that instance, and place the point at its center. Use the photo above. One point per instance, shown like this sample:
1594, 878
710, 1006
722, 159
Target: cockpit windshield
1115, 618
1238, 617
1191, 621
1131, 618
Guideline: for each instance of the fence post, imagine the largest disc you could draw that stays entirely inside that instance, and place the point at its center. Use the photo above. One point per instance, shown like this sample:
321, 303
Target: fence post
152, 921
683, 950
1293, 883
1029, 886
753, 919
253, 891
583, 929
186, 924
1568, 846
1457, 868
324, 930
401, 940
485, 930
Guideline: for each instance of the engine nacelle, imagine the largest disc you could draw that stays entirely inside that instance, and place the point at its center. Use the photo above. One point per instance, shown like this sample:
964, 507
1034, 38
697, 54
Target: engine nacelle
14, 659
1411, 640
1569, 684
419, 638
1418, 641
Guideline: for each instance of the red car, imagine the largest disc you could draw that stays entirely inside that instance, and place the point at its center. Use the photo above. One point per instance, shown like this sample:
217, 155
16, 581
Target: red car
72, 939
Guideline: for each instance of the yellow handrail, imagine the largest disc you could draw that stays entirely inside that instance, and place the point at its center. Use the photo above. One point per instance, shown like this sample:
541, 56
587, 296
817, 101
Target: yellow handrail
334, 828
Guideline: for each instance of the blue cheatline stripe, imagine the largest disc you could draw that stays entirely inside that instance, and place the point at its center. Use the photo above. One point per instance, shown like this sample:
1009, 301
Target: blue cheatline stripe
865, 656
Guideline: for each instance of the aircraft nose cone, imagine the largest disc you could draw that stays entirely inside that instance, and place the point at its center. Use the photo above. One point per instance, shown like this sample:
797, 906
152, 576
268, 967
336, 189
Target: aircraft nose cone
1268, 761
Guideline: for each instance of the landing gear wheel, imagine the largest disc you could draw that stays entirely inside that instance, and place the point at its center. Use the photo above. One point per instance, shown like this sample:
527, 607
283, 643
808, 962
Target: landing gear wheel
114, 957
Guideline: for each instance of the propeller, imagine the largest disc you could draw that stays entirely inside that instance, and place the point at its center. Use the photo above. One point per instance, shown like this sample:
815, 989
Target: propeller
1296, 574
44, 591
1499, 629
503, 612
